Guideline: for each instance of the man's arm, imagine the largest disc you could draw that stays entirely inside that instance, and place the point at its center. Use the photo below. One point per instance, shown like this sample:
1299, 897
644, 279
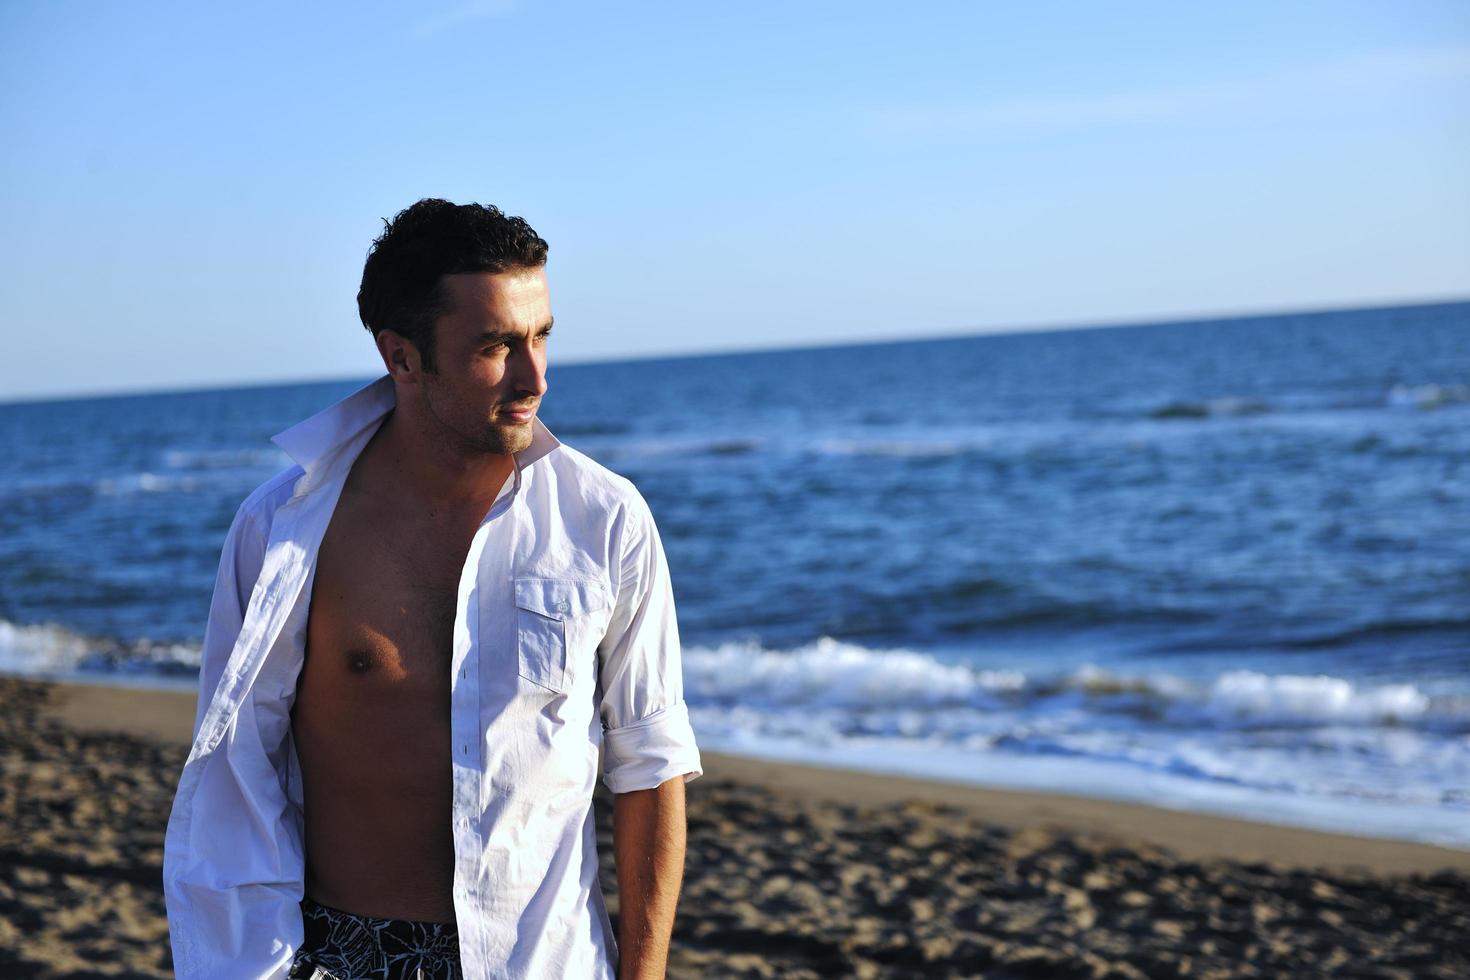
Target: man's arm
648, 845
648, 746
232, 859
240, 561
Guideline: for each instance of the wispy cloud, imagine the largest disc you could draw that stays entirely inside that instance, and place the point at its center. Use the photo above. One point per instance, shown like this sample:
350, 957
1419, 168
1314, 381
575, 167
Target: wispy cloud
1380, 71
463, 13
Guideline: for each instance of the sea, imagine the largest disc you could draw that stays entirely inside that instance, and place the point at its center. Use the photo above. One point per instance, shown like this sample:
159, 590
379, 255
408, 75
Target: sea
1218, 566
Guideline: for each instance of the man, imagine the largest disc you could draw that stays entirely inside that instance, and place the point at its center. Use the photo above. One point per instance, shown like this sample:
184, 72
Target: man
421, 635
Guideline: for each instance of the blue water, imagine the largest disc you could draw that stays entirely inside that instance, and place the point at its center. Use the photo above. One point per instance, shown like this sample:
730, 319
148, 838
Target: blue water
1219, 566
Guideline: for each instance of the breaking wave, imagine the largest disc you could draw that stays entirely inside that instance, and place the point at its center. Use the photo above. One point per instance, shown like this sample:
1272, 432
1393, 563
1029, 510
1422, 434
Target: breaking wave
831, 674
46, 650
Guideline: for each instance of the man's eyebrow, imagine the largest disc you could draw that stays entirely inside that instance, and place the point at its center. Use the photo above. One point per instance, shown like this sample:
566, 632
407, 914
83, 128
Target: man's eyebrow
506, 336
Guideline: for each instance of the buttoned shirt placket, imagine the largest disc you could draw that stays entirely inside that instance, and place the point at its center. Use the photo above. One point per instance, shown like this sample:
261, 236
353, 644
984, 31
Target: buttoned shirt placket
470, 781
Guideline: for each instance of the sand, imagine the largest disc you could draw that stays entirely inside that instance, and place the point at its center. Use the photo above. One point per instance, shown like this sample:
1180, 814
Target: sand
792, 872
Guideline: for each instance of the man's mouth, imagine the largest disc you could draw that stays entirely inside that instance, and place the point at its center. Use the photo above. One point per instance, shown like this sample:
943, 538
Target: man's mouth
519, 413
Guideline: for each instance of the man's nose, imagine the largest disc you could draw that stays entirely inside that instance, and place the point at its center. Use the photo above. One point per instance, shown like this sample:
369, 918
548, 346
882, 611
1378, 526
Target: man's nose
530, 373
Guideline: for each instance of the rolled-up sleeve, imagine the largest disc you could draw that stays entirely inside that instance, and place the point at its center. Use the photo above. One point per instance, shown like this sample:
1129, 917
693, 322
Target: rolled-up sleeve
647, 737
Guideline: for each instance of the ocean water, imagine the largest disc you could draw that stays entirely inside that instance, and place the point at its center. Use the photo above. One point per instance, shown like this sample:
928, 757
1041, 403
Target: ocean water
1220, 566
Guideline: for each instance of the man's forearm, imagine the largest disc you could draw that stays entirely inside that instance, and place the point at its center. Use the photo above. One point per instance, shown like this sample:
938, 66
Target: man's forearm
648, 844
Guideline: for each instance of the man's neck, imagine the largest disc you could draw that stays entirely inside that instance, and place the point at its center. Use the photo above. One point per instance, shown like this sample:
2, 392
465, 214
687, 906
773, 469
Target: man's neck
436, 467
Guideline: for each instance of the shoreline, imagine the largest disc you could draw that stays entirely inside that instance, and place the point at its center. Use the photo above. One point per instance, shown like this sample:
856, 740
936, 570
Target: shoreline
168, 716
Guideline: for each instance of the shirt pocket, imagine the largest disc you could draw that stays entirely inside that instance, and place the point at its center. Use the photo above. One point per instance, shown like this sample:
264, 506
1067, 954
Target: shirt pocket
551, 620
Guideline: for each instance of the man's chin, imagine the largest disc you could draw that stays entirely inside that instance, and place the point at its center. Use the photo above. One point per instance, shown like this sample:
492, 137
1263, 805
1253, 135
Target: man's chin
505, 438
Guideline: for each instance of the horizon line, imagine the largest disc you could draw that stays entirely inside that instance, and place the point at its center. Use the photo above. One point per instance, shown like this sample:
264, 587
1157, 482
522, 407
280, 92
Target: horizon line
960, 333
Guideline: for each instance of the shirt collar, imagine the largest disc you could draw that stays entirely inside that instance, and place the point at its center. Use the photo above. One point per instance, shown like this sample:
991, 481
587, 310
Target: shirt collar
312, 442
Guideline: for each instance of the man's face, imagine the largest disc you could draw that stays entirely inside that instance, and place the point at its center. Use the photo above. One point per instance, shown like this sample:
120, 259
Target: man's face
490, 348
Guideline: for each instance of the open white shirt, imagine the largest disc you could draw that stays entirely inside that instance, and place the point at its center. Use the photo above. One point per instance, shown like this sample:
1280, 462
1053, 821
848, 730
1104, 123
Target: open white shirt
564, 640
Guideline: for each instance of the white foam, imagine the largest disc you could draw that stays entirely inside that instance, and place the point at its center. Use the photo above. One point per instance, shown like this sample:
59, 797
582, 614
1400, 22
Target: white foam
145, 482
1232, 405
1427, 395
1291, 699
40, 650
180, 459
833, 674
47, 650
1119, 780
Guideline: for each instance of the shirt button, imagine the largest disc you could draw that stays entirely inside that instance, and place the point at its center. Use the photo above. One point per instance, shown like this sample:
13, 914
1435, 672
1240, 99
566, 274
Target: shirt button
562, 606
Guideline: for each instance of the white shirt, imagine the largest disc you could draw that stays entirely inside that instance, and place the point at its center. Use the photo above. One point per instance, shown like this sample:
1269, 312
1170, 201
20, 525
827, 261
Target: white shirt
564, 640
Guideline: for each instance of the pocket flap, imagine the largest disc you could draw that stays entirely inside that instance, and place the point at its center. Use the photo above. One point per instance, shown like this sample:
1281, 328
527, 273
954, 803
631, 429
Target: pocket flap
561, 598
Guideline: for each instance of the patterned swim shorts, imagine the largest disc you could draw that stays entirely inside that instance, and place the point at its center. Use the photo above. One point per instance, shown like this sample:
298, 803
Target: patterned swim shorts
343, 946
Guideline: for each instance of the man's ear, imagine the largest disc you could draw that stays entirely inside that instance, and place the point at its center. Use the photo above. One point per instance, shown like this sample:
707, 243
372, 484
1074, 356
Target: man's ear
400, 357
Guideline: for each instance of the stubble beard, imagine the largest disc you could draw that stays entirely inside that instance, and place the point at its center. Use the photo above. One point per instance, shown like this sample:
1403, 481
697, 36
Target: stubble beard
492, 438
502, 440
480, 437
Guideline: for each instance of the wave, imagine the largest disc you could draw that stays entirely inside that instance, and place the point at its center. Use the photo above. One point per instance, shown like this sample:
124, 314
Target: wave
1383, 629
181, 472
578, 429
906, 449
890, 448
1427, 395
48, 650
114, 486
214, 459
126, 485
1247, 696
1243, 735
1210, 408
135, 483
683, 448
832, 674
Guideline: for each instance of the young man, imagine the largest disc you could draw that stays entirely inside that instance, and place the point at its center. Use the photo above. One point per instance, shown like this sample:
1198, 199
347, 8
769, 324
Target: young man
421, 634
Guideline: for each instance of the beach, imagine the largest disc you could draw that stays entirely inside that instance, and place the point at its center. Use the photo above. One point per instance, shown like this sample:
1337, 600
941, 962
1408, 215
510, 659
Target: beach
792, 871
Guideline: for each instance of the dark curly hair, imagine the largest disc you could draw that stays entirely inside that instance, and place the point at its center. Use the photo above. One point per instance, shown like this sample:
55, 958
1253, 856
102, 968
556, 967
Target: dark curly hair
430, 239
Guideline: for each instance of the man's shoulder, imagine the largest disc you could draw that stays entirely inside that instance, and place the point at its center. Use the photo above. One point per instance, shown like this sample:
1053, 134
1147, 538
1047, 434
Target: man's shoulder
597, 484
259, 508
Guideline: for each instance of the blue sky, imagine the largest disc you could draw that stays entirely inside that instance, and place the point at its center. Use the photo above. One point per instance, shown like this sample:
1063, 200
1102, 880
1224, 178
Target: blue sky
189, 190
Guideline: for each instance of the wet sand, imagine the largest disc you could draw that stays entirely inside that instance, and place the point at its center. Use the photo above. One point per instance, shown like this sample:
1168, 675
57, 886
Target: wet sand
792, 872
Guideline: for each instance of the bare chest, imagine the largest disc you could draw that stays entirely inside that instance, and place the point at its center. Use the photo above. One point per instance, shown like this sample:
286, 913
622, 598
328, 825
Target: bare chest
384, 599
